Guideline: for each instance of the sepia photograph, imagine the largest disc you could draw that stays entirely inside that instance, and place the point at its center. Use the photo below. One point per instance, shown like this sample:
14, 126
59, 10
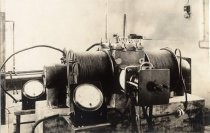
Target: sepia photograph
104, 66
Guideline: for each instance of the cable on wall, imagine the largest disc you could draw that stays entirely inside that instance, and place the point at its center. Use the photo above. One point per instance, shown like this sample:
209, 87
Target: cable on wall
26, 49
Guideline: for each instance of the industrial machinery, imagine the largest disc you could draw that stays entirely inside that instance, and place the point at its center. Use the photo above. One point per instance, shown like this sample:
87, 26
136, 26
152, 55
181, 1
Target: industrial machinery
113, 80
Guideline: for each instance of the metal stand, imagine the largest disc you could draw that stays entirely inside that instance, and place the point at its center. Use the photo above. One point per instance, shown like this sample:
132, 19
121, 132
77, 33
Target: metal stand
90, 127
18, 116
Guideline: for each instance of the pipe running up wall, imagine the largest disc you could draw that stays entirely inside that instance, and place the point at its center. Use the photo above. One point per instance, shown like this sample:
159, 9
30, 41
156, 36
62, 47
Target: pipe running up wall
2, 58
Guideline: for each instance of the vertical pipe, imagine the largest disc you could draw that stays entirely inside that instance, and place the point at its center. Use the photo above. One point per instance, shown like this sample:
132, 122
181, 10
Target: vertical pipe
204, 43
2, 37
13, 44
17, 126
2, 58
205, 20
106, 22
124, 25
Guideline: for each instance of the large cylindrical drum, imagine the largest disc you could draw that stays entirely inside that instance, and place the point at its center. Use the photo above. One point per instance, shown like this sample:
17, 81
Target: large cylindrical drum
165, 59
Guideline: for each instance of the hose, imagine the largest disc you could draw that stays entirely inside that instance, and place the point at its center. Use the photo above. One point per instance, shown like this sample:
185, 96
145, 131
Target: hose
10, 95
181, 77
46, 46
92, 46
43, 119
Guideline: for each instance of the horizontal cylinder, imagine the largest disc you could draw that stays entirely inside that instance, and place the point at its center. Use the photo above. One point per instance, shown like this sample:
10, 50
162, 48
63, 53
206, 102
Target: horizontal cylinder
165, 59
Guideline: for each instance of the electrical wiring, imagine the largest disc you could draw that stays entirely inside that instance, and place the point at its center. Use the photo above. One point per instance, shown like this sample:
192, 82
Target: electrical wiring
43, 119
11, 81
96, 44
148, 116
10, 95
181, 77
180, 72
36, 46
